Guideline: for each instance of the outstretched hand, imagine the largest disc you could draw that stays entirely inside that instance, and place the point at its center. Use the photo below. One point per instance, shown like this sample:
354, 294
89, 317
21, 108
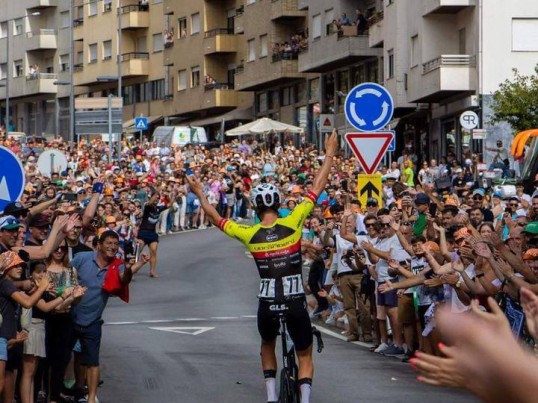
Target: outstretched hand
331, 143
194, 184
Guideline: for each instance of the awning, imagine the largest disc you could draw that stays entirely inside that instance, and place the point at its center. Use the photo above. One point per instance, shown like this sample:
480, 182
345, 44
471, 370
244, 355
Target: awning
129, 125
236, 114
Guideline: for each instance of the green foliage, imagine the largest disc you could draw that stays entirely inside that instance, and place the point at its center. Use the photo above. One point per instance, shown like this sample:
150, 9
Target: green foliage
516, 102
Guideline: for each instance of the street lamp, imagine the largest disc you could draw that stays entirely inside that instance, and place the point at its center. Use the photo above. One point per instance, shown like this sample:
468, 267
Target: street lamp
6, 118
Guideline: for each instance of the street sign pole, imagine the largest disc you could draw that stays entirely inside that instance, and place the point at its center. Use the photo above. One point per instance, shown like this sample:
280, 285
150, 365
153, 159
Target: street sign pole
110, 143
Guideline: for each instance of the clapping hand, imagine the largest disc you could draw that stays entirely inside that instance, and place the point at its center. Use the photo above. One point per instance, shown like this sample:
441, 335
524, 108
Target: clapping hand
323, 293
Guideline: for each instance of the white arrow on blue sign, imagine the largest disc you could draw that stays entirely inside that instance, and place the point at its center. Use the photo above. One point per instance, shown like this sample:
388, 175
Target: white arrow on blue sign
141, 123
369, 107
11, 178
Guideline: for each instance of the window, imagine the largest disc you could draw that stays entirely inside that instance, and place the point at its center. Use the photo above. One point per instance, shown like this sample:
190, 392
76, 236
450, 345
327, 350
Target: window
93, 8
3, 29
264, 45
262, 102
107, 50
287, 96
251, 2
92, 53
390, 65
158, 44
18, 26
157, 1
80, 57
195, 24
182, 80
107, 6
157, 89
3, 71
525, 35
313, 89
414, 51
64, 19
18, 70
195, 76
316, 26
251, 48
329, 18
182, 31
64, 62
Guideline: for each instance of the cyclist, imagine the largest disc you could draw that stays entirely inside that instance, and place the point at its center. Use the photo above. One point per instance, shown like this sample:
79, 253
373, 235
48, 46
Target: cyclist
275, 244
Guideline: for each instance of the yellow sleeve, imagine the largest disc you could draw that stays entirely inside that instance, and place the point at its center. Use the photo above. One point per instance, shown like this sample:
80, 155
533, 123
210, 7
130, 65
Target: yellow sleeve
242, 233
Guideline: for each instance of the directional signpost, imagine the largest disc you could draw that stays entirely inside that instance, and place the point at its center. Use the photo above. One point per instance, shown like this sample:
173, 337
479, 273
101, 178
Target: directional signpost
370, 187
11, 178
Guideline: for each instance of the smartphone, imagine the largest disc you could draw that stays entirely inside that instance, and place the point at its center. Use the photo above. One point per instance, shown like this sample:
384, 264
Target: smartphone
433, 209
188, 172
70, 197
508, 210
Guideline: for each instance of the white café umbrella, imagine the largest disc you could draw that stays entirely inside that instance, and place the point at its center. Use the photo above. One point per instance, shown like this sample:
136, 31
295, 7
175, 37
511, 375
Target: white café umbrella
263, 126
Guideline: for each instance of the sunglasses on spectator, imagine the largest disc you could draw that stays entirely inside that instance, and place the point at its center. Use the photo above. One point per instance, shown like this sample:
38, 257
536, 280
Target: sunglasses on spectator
62, 249
385, 225
477, 197
371, 205
372, 224
514, 204
521, 224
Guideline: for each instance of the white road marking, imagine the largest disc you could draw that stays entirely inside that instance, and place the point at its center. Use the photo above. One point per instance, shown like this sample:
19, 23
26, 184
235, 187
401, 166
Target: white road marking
341, 337
224, 317
181, 320
193, 331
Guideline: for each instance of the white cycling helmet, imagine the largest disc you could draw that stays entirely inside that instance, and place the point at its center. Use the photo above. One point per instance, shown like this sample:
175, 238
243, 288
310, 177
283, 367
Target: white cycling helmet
266, 195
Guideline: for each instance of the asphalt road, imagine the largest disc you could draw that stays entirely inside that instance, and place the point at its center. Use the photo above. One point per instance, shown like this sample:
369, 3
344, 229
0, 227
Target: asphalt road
190, 336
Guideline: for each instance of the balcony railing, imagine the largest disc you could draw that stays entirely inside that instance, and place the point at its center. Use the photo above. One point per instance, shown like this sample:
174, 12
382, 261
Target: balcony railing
218, 31
218, 86
277, 57
448, 60
374, 19
41, 32
125, 57
133, 8
41, 76
78, 22
78, 67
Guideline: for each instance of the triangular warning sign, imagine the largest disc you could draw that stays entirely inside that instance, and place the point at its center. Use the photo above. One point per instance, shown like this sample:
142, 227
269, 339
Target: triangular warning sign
141, 125
327, 122
194, 331
369, 148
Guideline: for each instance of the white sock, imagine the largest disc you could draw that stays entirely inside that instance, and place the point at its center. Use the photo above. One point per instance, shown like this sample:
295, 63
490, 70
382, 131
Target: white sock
270, 386
306, 387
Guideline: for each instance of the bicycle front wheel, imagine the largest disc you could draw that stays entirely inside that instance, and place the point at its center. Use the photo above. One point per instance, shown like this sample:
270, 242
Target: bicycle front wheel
287, 388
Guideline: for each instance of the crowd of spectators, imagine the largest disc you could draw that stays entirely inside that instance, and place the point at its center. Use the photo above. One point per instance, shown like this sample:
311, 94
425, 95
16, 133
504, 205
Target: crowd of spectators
381, 272
288, 50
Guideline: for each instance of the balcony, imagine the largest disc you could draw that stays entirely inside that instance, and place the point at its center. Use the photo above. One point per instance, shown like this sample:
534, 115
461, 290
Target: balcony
286, 9
375, 30
239, 22
443, 77
335, 50
220, 40
135, 64
445, 6
267, 72
33, 4
134, 17
220, 95
42, 39
37, 83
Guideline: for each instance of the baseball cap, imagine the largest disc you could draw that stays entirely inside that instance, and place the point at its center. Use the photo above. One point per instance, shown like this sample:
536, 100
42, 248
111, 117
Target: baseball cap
421, 198
530, 228
296, 189
462, 233
40, 220
498, 195
480, 192
15, 208
12, 260
9, 223
531, 254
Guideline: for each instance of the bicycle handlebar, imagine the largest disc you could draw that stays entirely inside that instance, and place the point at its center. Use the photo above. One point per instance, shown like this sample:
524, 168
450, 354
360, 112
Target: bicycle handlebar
319, 340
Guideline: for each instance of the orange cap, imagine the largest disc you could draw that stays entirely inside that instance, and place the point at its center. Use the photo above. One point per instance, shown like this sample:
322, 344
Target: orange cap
12, 260
531, 254
432, 246
296, 189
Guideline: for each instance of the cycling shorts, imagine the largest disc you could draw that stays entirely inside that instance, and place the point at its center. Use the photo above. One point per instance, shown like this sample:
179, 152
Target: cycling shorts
297, 320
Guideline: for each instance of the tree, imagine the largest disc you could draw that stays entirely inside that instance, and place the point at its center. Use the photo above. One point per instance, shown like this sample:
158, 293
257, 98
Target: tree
516, 102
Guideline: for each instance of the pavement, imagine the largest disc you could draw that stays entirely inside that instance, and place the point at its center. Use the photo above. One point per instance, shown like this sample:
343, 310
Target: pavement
191, 336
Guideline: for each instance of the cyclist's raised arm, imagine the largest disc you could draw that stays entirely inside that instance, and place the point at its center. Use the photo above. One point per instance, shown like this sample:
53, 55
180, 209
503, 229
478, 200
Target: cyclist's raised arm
331, 147
196, 188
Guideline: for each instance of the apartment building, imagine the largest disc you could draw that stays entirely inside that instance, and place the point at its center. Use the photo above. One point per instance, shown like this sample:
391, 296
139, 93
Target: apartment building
443, 57
139, 49
340, 52
29, 46
201, 57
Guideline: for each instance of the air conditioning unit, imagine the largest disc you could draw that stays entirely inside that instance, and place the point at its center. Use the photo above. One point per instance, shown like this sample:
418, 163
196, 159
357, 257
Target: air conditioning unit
422, 107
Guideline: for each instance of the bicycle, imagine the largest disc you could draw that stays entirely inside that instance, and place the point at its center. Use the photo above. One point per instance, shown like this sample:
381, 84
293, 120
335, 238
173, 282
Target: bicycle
289, 386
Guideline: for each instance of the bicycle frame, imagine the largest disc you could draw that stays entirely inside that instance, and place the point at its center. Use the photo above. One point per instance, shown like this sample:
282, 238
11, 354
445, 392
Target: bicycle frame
289, 388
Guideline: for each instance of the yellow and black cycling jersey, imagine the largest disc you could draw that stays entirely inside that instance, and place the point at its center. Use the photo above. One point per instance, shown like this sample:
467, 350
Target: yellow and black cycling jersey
276, 251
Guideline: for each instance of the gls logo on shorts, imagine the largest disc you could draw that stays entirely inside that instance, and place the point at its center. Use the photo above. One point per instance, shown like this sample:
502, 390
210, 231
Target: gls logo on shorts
277, 308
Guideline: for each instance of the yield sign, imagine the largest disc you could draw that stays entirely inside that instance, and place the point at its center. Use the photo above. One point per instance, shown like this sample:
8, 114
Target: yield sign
369, 148
194, 331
